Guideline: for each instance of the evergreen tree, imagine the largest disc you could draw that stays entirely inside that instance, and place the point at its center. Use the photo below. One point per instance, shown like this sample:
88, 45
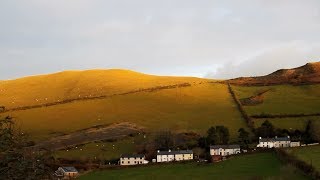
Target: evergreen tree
218, 135
17, 161
265, 130
244, 138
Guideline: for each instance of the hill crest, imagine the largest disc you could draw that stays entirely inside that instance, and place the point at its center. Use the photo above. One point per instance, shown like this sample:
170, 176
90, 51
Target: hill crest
306, 74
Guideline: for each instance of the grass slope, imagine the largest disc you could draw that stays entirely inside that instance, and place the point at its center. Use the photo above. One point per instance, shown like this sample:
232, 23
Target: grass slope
263, 165
193, 108
283, 99
288, 123
61, 86
101, 150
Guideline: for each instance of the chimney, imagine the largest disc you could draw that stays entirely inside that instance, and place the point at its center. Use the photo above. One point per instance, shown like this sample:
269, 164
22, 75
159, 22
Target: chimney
288, 137
276, 137
158, 151
169, 150
260, 138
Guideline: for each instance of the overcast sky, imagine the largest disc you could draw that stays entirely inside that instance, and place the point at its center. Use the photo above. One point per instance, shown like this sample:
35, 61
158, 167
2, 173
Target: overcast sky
204, 38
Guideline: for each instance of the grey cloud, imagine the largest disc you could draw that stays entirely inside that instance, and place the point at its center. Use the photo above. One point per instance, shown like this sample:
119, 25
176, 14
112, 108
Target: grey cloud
175, 37
286, 56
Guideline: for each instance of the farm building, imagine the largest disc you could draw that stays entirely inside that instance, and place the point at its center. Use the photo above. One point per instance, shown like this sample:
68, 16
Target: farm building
277, 142
168, 156
294, 144
224, 150
132, 159
66, 173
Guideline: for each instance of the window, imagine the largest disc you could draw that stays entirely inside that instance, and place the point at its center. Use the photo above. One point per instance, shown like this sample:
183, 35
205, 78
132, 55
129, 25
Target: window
122, 162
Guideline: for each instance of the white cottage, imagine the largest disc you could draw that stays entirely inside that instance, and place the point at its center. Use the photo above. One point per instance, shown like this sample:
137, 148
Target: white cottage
132, 159
224, 150
168, 156
276, 142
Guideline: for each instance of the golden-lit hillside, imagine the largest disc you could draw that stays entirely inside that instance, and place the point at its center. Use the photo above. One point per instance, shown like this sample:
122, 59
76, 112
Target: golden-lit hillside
150, 102
44, 89
194, 108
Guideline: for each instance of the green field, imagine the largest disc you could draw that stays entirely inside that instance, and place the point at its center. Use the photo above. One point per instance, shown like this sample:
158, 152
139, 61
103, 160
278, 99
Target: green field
102, 150
283, 99
288, 123
254, 166
309, 154
193, 108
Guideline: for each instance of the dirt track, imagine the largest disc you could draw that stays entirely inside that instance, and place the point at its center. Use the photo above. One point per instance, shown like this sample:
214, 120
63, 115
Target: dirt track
114, 131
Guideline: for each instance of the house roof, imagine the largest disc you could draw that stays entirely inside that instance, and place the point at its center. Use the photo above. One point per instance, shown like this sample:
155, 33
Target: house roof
69, 169
274, 139
175, 152
233, 146
282, 138
132, 155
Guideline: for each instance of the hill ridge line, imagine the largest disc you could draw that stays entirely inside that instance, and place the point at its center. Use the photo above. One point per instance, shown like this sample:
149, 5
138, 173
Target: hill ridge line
151, 89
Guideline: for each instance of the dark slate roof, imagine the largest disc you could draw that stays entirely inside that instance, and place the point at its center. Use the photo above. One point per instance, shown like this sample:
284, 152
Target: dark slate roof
275, 139
233, 146
132, 156
282, 138
175, 152
69, 169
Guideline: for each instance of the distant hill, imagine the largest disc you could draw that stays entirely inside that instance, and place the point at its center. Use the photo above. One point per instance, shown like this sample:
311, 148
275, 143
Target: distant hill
307, 74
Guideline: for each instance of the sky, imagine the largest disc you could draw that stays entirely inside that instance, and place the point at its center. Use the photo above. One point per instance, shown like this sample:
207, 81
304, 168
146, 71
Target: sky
204, 38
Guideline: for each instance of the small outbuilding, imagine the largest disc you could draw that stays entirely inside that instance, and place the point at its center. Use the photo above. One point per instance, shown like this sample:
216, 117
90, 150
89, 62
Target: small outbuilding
66, 173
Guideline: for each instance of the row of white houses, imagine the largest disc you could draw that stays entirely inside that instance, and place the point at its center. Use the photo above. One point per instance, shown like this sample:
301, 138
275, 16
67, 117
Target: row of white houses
169, 156
277, 142
224, 150
162, 156
217, 151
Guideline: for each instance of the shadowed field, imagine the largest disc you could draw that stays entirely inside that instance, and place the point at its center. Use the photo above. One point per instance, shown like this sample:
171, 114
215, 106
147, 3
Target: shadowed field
255, 166
309, 154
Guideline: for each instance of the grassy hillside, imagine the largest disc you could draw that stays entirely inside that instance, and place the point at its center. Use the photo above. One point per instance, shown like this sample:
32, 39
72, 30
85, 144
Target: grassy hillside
193, 108
57, 87
288, 123
255, 166
282, 99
